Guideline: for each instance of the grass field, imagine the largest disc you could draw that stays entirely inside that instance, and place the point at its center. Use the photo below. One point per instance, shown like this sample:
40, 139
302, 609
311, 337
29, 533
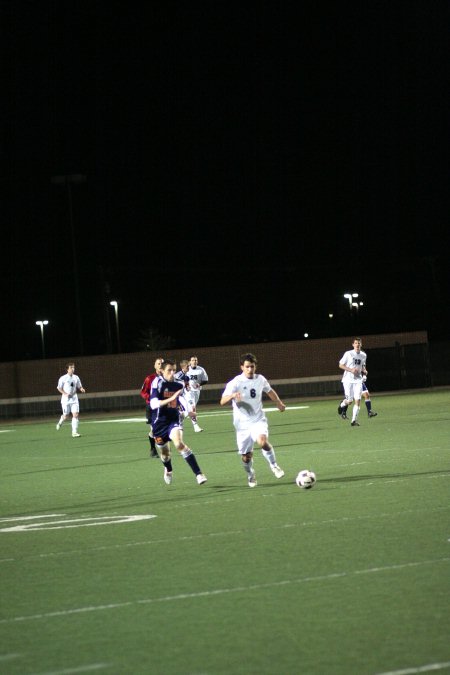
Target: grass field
105, 568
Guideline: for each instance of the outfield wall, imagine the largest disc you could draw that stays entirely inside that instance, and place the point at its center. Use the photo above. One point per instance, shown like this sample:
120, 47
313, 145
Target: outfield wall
295, 369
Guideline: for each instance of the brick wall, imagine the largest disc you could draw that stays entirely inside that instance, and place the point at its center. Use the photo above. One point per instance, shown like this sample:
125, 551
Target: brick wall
118, 372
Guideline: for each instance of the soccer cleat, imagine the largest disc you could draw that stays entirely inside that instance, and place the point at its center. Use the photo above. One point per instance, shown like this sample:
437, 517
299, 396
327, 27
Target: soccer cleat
344, 416
355, 424
197, 429
167, 476
58, 427
153, 453
372, 414
279, 473
76, 435
201, 478
252, 482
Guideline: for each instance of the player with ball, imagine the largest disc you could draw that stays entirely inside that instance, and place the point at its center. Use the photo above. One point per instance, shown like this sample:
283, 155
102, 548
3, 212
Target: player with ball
245, 391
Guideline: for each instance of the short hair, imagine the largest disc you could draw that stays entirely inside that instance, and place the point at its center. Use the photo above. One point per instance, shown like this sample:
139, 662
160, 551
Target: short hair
168, 362
183, 362
357, 339
68, 364
248, 357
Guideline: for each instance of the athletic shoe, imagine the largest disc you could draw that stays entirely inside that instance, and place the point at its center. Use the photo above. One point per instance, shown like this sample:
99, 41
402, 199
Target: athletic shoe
58, 427
197, 429
201, 478
355, 424
344, 416
279, 473
154, 453
167, 476
252, 482
76, 435
372, 414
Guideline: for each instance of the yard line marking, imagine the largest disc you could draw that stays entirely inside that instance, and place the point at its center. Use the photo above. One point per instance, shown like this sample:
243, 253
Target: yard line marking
142, 420
80, 669
86, 521
218, 591
46, 515
421, 669
222, 533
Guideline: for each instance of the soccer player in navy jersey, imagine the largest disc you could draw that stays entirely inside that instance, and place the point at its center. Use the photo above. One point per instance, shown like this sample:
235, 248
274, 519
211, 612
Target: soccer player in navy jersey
168, 404
145, 394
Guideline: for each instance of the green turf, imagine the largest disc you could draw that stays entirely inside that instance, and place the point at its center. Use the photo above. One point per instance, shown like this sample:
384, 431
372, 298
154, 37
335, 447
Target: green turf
349, 578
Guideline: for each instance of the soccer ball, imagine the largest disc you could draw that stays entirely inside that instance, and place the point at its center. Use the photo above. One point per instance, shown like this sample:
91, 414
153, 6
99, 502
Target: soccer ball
306, 479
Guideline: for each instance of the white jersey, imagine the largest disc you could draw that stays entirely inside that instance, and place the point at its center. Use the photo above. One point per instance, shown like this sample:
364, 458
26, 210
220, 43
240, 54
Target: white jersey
352, 359
70, 385
249, 409
197, 377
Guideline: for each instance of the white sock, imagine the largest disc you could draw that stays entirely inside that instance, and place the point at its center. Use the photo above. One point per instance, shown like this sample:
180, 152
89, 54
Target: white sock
74, 425
355, 413
61, 420
270, 456
248, 466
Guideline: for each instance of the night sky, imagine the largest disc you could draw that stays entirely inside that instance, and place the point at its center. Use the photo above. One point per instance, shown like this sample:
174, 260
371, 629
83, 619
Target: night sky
246, 165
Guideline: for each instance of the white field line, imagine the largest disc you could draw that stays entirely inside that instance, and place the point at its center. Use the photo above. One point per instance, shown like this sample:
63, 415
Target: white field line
421, 669
219, 413
224, 533
219, 591
77, 669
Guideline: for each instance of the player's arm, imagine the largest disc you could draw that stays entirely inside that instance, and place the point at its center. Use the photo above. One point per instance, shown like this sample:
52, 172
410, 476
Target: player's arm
349, 369
272, 394
226, 398
159, 403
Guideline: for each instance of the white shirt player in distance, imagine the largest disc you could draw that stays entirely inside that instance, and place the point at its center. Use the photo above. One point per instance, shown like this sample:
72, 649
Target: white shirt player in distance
68, 386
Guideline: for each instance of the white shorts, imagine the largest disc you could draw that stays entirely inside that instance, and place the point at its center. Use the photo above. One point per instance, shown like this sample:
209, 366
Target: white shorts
353, 390
246, 438
70, 405
192, 395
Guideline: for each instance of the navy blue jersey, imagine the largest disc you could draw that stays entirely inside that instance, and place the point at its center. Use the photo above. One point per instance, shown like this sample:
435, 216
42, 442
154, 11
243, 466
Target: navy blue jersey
162, 389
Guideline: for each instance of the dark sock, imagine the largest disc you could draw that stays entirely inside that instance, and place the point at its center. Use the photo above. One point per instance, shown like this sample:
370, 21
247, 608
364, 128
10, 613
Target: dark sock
368, 405
168, 464
152, 443
190, 459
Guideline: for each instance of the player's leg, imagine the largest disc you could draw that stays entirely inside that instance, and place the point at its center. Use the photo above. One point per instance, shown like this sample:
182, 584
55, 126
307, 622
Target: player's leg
64, 415
163, 447
260, 434
357, 403
176, 436
245, 450
75, 410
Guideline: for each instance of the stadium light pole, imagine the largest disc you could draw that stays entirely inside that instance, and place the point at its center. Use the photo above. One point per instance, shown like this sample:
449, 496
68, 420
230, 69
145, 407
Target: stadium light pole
115, 304
67, 181
41, 324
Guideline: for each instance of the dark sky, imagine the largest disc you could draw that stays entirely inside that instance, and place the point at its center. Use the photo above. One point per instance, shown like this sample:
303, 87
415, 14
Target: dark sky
246, 165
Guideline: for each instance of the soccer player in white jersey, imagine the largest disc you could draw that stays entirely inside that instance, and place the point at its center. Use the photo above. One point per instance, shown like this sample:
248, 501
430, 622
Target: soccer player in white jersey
245, 391
68, 386
197, 378
353, 363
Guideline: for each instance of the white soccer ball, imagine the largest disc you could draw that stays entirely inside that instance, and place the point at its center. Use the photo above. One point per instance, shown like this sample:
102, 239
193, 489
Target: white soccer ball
306, 479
